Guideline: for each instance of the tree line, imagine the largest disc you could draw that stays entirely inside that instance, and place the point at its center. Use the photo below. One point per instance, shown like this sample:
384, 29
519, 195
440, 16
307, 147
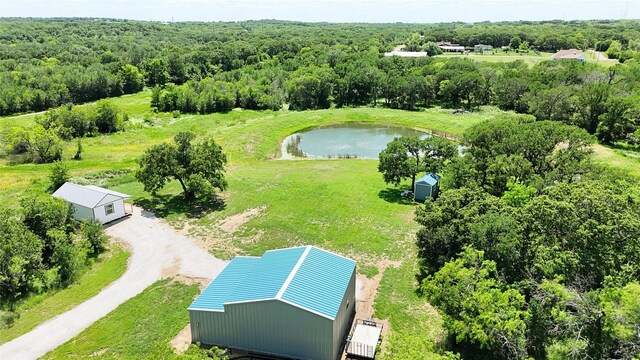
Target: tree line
46, 63
45, 142
603, 101
532, 250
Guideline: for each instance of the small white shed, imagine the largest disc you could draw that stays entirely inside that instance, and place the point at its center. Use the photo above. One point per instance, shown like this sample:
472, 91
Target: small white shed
93, 202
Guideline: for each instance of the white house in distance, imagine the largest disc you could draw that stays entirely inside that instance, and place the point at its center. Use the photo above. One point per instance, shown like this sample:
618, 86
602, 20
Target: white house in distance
482, 47
572, 54
93, 202
446, 46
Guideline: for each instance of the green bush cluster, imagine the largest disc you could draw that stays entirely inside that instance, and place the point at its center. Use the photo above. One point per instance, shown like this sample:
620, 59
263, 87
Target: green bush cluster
43, 248
531, 251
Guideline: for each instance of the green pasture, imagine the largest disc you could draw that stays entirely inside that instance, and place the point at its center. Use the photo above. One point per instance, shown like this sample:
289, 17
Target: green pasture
530, 58
141, 328
340, 205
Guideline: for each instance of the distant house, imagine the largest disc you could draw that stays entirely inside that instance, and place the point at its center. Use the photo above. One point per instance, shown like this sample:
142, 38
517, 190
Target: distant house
294, 303
446, 46
573, 54
427, 187
407, 53
482, 47
93, 202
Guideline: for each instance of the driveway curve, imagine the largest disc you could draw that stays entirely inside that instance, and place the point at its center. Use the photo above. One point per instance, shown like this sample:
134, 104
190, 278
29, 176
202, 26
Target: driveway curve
157, 251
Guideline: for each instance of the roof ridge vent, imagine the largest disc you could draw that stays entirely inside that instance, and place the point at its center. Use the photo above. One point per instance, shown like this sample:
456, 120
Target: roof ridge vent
293, 272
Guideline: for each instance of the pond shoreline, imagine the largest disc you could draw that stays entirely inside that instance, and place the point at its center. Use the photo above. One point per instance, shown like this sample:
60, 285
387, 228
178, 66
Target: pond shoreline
287, 141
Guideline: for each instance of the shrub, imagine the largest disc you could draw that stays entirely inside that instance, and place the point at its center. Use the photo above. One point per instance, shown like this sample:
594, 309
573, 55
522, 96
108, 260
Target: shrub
92, 233
58, 176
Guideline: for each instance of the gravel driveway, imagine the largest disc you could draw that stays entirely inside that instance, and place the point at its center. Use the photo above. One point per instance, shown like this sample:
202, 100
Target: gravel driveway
158, 251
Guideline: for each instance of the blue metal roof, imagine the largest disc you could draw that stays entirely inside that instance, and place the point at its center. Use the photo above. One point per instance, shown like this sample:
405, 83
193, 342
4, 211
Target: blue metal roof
320, 282
216, 294
307, 277
267, 276
430, 179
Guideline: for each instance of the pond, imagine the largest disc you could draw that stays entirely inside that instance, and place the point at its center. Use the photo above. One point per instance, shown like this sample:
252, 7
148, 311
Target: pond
351, 140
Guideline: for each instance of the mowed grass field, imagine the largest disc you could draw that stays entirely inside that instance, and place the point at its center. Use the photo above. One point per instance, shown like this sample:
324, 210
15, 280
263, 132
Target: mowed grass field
246, 136
530, 58
141, 328
340, 205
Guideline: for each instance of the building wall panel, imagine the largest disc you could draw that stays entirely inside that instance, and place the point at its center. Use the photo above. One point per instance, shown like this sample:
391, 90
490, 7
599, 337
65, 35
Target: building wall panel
342, 323
118, 212
270, 327
82, 213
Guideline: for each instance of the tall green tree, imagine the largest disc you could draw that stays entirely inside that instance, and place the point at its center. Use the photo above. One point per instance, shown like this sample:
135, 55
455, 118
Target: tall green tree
132, 79
199, 167
108, 117
41, 215
59, 175
589, 102
157, 72
20, 257
406, 157
619, 120
478, 309
45, 145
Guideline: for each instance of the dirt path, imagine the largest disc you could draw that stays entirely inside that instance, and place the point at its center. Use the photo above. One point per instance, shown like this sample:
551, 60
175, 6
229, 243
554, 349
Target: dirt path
600, 56
158, 251
366, 292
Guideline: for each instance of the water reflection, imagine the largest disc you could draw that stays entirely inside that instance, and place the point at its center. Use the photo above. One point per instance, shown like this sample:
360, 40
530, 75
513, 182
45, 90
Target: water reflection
350, 140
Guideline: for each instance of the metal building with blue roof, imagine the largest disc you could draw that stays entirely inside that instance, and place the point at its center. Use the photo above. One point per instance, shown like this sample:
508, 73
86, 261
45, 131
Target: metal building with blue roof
426, 186
297, 302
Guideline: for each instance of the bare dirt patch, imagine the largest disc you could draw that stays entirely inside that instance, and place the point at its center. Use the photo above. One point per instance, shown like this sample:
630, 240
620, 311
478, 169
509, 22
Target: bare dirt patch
122, 243
188, 280
181, 342
172, 269
233, 223
221, 246
221, 239
368, 290
99, 353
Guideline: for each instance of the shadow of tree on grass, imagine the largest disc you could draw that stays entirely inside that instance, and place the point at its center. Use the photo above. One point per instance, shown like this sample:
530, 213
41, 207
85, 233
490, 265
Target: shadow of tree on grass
392, 195
165, 205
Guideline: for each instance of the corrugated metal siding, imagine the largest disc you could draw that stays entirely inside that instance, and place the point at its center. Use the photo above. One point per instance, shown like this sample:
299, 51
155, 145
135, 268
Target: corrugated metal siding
217, 292
421, 192
267, 276
320, 282
270, 327
342, 322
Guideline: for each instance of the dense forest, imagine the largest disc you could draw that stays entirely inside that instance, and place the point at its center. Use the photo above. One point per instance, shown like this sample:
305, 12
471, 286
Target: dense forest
204, 68
530, 251
533, 251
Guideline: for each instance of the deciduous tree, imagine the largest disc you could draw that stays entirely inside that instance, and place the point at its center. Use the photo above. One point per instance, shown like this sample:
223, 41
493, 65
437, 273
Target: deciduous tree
406, 157
199, 168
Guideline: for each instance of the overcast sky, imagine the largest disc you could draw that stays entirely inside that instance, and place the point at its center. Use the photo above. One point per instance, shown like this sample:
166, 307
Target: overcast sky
416, 11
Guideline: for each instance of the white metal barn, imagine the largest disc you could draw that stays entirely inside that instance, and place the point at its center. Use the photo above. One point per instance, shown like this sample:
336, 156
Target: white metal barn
294, 303
93, 202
